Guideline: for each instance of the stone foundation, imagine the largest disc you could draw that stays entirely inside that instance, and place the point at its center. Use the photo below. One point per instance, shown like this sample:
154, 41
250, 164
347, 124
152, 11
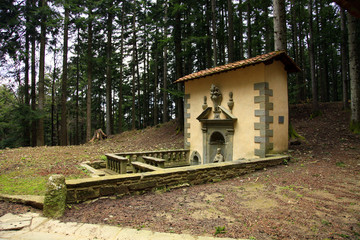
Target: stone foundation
80, 190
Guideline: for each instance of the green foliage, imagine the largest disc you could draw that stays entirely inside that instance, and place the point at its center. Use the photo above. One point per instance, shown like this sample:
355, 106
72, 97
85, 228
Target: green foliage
345, 236
13, 184
219, 230
19, 18
340, 164
174, 93
325, 222
13, 119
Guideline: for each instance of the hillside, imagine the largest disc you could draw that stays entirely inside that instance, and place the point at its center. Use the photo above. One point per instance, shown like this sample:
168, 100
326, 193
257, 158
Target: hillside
26, 169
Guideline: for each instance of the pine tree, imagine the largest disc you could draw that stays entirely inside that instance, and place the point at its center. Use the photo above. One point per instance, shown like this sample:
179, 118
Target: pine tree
64, 80
354, 61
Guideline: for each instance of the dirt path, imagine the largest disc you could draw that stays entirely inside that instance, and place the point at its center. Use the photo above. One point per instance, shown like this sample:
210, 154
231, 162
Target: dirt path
315, 196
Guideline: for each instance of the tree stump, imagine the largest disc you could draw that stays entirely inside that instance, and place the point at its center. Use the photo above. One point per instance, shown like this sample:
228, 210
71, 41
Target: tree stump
98, 135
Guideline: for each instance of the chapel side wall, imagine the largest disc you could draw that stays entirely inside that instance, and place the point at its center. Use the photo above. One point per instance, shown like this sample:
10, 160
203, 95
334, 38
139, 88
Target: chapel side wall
241, 83
276, 76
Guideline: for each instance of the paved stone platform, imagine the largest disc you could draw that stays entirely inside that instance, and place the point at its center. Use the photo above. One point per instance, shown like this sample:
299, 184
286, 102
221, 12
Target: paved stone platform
32, 226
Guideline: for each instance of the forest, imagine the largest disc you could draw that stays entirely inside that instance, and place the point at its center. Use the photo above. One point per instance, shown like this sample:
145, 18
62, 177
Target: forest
69, 67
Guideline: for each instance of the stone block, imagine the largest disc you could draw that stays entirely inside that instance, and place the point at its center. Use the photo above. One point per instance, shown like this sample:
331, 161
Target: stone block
87, 193
261, 86
98, 231
267, 92
267, 119
122, 190
261, 99
261, 139
259, 113
267, 106
107, 190
71, 196
55, 196
260, 153
266, 132
148, 185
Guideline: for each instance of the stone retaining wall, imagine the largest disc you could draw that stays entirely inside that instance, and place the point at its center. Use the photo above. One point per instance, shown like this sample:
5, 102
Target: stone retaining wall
80, 190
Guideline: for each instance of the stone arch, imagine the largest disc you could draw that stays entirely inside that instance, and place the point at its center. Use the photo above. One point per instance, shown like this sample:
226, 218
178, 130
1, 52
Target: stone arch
217, 138
195, 158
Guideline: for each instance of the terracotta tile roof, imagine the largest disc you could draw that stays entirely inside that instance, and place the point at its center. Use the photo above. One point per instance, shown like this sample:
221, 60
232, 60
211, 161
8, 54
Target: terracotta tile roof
267, 58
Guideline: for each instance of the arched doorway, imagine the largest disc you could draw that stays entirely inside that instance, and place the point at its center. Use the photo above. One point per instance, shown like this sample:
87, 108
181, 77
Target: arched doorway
217, 140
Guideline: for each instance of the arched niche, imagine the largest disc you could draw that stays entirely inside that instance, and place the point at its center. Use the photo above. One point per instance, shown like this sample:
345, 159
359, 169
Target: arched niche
217, 138
195, 158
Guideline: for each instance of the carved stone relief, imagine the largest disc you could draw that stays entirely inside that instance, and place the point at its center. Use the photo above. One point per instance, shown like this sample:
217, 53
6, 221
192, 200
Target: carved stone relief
216, 98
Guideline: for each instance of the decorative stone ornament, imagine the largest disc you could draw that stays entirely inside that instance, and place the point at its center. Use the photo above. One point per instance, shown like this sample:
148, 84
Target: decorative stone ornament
231, 101
216, 98
204, 106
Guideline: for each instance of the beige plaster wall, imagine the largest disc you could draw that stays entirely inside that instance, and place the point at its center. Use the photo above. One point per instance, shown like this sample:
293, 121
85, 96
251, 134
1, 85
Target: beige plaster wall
241, 83
276, 75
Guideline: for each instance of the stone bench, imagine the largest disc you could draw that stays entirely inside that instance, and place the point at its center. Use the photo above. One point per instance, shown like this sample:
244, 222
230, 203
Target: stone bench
158, 162
143, 167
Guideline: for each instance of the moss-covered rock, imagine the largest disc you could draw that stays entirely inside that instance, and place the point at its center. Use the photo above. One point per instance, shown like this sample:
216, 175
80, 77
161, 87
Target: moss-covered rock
55, 197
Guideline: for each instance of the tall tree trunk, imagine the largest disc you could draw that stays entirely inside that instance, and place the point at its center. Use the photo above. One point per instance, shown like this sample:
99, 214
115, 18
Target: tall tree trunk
165, 94
109, 27
33, 81
344, 60
77, 133
268, 30
294, 29
241, 29
279, 25
139, 107
156, 76
120, 121
323, 54
63, 130
40, 130
213, 16
302, 74
230, 30
315, 104
354, 61
221, 37
89, 77
145, 76
53, 100
249, 44
178, 66
209, 52
334, 69
133, 116
27, 68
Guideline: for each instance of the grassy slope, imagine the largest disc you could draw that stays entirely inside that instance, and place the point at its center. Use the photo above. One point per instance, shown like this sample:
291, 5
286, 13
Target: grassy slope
26, 170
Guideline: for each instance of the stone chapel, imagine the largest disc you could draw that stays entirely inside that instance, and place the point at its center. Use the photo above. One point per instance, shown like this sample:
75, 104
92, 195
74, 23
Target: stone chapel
239, 109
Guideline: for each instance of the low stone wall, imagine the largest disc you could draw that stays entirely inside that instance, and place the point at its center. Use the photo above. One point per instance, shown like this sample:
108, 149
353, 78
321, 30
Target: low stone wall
80, 190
